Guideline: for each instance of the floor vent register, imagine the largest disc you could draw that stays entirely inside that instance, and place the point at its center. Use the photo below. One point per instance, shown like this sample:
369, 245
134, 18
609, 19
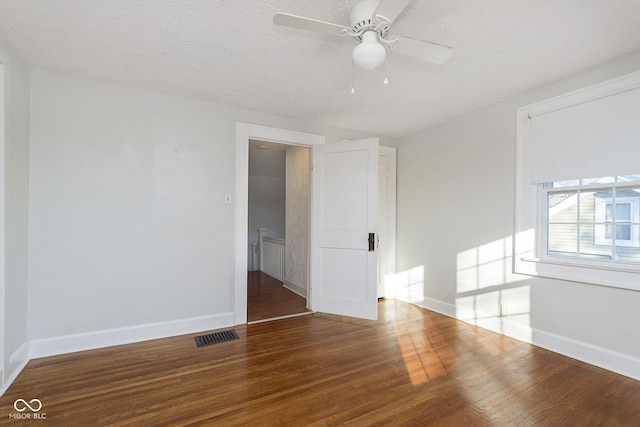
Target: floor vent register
216, 337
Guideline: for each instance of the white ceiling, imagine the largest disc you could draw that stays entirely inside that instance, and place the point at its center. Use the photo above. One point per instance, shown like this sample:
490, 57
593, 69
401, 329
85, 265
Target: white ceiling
230, 52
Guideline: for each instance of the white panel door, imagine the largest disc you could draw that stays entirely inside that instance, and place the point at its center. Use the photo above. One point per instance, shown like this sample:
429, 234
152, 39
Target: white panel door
344, 210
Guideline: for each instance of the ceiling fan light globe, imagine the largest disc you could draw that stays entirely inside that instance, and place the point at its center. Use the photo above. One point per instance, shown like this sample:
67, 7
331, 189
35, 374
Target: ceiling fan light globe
369, 55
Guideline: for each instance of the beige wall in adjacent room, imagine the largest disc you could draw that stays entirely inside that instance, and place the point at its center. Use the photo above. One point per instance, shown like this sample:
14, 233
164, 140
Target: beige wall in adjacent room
297, 219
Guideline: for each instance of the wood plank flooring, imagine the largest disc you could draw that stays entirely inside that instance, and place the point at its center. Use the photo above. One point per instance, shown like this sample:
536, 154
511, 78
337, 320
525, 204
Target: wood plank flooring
267, 298
411, 367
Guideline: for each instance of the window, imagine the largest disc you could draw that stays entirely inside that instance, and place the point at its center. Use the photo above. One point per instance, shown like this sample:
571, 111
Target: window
582, 230
593, 219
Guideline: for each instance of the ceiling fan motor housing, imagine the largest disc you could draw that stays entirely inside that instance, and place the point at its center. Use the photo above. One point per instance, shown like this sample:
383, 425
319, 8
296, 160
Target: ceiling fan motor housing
363, 18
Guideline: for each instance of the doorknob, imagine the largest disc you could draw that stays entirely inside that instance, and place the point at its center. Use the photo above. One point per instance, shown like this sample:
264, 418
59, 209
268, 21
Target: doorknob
372, 242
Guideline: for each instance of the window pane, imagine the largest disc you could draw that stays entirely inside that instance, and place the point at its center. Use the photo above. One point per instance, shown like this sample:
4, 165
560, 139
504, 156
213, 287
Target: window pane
623, 232
608, 234
590, 248
599, 180
588, 206
562, 207
629, 252
627, 178
609, 212
562, 239
623, 211
568, 183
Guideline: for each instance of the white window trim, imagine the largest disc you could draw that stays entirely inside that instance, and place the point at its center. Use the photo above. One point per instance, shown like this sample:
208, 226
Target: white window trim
601, 204
529, 235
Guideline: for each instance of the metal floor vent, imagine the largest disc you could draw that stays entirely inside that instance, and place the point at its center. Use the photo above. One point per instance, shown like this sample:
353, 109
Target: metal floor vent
216, 337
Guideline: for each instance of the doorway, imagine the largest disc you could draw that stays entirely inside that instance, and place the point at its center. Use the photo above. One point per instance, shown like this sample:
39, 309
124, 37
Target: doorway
244, 133
278, 230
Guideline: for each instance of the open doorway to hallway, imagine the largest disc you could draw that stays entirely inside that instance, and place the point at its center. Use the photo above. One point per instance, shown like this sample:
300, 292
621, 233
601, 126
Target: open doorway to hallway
278, 230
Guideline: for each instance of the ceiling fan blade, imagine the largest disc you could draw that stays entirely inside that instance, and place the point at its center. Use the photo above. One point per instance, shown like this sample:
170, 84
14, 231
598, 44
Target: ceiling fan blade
390, 9
308, 24
423, 50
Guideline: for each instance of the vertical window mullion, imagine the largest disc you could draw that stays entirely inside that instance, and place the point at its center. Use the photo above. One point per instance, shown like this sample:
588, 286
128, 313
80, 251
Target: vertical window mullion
614, 230
578, 216
545, 192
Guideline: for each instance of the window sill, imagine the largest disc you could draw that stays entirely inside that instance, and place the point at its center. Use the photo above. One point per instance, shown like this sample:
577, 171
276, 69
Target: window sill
620, 275
619, 266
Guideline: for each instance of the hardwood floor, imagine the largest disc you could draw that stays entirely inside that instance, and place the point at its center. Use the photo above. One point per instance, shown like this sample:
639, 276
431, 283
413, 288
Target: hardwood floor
267, 298
411, 367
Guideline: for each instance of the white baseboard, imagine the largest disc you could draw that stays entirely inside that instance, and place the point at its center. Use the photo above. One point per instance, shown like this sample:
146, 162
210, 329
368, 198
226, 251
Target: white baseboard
598, 356
296, 288
17, 361
594, 355
424, 302
106, 338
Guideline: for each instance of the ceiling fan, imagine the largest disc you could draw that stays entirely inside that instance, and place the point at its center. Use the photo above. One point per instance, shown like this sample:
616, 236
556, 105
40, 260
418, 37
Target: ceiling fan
370, 22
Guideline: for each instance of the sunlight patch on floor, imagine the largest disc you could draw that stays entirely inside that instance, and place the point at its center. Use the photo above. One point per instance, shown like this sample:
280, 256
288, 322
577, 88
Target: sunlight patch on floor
421, 357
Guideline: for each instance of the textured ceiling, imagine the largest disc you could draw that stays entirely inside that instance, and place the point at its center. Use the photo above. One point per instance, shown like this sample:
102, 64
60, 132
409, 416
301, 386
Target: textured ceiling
230, 52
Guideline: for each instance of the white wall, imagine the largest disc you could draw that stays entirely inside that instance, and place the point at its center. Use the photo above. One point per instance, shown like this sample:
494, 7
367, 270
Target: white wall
15, 202
455, 226
266, 207
127, 221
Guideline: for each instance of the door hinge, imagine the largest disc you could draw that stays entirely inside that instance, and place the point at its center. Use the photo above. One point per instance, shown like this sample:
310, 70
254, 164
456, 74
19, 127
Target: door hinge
372, 242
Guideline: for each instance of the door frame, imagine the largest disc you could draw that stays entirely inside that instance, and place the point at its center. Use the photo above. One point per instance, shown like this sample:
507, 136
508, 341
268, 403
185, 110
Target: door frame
389, 246
244, 132
4, 381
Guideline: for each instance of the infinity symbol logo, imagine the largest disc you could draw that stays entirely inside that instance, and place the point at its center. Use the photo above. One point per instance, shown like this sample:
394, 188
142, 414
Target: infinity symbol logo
37, 405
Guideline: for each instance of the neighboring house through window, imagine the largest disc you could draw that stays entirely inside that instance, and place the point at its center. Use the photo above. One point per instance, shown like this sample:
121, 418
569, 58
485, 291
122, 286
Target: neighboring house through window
594, 218
620, 219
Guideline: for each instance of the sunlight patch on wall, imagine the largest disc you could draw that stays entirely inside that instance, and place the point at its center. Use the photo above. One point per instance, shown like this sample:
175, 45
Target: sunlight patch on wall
486, 265
406, 285
525, 242
525, 252
506, 311
489, 294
